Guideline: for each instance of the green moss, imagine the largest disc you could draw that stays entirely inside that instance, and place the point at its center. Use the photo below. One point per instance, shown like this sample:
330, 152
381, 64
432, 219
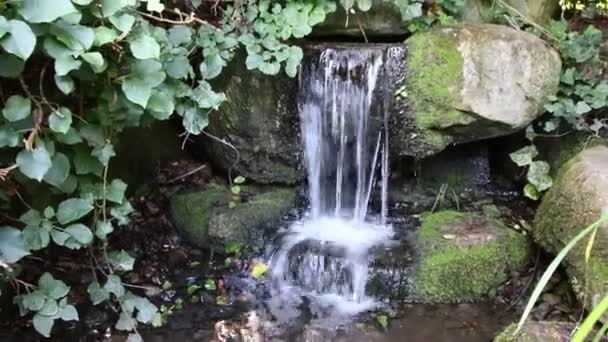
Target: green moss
435, 70
191, 211
509, 335
543, 331
452, 269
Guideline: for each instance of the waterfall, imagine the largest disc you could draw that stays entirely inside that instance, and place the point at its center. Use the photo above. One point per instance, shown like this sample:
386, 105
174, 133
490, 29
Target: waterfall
343, 111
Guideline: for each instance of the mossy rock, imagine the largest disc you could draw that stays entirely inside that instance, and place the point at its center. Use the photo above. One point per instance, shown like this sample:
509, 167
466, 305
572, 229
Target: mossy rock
539, 11
537, 332
470, 82
206, 219
464, 257
578, 197
259, 124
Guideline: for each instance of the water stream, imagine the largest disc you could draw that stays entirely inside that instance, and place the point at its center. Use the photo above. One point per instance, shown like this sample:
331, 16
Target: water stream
324, 257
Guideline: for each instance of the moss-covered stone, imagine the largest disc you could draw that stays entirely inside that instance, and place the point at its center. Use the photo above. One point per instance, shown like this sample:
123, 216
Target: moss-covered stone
578, 197
486, 11
464, 257
470, 82
206, 219
537, 332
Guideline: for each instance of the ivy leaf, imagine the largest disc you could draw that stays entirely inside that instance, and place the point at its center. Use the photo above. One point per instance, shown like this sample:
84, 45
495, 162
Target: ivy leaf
104, 35
180, 34
44, 11
364, 5
65, 84
582, 107
125, 322
11, 66
59, 237
21, 40
145, 47
68, 313
76, 37
145, 310
81, 233
124, 23
17, 108
155, 6
258, 270
114, 285
103, 229
60, 121
122, 261
116, 191
59, 170
97, 294
137, 337
31, 218
122, 212
212, 66
538, 175
524, 155
110, 7
96, 61
145, 75
34, 164
12, 246
179, 68
65, 64
50, 308
104, 154
4, 26
36, 238
161, 105
43, 324
531, 192
72, 209
54, 288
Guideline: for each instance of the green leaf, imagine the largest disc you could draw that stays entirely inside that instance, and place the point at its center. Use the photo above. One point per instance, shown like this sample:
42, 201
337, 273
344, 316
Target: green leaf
33, 301
192, 289
75, 37
364, 5
179, 68
124, 23
5, 27
10, 65
259, 269
72, 209
538, 175
145, 310
524, 155
531, 192
210, 285
31, 218
382, 320
85, 164
12, 246
145, 75
110, 7
239, 180
122, 212
161, 105
116, 191
121, 261
64, 83
155, 6
60, 121
49, 212
104, 153
96, 61
44, 11
81, 233
103, 229
17, 108
180, 34
68, 313
114, 286
59, 171
212, 66
36, 238
54, 288
125, 322
104, 35
43, 324
137, 337
21, 41
65, 64
582, 107
59, 237
97, 294
34, 164
145, 47
50, 308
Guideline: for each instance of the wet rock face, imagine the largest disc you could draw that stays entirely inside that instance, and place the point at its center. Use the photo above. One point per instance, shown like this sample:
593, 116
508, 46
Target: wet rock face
578, 197
470, 82
464, 257
205, 219
538, 332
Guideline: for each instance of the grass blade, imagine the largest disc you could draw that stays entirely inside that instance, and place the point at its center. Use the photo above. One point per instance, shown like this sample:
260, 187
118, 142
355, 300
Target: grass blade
587, 326
601, 333
552, 267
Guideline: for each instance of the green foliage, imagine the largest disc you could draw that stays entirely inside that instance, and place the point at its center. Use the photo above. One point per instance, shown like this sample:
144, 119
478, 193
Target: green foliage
583, 91
538, 171
78, 73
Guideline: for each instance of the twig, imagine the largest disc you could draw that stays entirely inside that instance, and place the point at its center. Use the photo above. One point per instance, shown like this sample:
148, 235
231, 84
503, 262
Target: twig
238, 155
191, 19
361, 29
37, 115
5, 171
191, 172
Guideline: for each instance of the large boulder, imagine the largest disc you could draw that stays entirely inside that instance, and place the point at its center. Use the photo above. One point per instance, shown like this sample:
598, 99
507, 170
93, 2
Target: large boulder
578, 197
206, 219
259, 120
470, 82
483, 11
538, 332
454, 257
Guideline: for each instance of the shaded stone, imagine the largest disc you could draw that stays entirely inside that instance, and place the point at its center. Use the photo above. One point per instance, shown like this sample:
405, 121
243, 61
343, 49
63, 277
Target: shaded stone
578, 197
538, 332
206, 219
484, 11
464, 257
470, 82
260, 120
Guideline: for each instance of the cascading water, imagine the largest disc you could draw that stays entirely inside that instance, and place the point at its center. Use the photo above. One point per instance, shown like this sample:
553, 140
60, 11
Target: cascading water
325, 256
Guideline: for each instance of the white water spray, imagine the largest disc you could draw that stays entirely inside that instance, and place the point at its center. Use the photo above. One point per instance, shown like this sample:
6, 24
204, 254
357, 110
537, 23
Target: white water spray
325, 256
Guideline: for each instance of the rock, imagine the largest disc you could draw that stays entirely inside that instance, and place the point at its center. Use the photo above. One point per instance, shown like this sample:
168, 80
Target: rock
538, 332
558, 151
470, 82
463, 257
260, 120
382, 20
205, 218
578, 197
539, 11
